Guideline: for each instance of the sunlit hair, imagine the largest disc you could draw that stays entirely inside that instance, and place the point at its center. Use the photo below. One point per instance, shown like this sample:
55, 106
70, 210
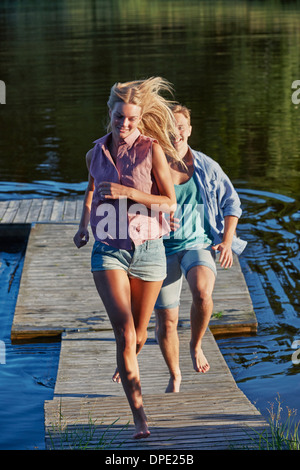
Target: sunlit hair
180, 109
157, 119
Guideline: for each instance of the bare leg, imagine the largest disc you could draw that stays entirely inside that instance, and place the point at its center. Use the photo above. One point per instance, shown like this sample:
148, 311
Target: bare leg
118, 306
201, 280
167, 321
143, 297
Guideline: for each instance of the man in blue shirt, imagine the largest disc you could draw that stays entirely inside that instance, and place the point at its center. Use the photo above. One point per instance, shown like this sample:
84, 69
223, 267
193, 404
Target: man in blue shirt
208, 209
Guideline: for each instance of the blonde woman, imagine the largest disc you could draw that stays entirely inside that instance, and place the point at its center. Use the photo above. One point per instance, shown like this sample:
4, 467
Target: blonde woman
129, 179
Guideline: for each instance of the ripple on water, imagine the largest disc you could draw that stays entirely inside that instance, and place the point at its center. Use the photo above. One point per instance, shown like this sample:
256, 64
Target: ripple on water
262, 365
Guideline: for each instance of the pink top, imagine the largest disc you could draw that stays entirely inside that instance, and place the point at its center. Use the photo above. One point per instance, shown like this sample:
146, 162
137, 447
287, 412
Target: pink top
119, 222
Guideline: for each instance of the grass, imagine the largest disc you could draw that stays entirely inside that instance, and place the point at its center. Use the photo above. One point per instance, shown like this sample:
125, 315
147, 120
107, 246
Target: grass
217, 315
84, 436
280, 435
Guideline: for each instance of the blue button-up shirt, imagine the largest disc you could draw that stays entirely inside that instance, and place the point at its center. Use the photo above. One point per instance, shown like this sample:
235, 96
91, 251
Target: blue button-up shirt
219, 197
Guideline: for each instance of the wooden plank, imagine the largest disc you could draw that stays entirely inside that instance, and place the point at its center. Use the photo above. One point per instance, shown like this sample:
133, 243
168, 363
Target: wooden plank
69, 214
11, 211
84, 352
3, 207
46, 210
209, 427
57, 210
79, 205
210, 412
34, 211
22, 212
57, 290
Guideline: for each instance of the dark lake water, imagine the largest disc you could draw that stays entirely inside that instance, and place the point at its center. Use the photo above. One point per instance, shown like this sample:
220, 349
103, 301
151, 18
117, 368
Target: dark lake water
233, 64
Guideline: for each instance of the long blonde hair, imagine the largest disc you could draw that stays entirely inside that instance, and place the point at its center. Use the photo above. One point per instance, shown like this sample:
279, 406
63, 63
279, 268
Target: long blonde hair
157, 118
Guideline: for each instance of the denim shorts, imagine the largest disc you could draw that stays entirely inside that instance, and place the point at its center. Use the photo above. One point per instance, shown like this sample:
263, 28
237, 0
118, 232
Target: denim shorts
177, 265
146, 261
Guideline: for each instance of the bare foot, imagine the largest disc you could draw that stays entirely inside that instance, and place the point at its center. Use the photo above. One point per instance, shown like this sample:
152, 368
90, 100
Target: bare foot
200, 362
141, 435
116, 377
174, 385
142, 431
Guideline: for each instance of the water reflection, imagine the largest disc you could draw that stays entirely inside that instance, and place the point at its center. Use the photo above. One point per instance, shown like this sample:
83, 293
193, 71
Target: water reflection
262, 365
232, 63
27, 376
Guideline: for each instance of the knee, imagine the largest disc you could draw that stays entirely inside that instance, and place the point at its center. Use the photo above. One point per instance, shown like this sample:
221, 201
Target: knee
166, 324
141, 339
125, 337
201, 296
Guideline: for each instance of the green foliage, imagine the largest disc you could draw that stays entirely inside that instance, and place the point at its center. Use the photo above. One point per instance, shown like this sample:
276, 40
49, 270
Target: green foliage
79, 436
280, 435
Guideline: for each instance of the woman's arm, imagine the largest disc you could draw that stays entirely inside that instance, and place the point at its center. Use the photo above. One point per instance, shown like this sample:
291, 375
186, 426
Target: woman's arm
82, 236
165, 201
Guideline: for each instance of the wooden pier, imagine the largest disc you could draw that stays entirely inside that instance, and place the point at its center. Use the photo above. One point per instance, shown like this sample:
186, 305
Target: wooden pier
57, 298
210, 412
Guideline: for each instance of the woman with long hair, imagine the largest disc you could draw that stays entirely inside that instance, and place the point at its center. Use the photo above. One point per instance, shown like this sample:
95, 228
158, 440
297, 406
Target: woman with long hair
129, 189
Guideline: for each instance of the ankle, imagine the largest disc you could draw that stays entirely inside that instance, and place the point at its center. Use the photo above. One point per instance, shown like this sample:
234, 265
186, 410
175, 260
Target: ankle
175, 375
195, 345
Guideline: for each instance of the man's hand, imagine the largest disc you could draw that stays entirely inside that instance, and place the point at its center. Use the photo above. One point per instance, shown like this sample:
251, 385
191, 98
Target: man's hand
226, 256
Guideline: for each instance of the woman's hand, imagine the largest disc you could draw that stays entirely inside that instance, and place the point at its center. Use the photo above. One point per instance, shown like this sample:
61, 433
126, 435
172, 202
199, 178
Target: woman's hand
107, 190
165, 201
174, 222
81, 237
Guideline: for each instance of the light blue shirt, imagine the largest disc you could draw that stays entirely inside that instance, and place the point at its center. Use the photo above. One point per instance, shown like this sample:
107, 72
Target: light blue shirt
219, 198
